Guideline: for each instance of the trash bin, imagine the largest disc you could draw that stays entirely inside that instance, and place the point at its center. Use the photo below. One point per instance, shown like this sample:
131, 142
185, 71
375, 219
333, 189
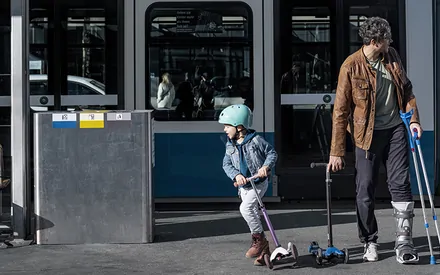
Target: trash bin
94, 177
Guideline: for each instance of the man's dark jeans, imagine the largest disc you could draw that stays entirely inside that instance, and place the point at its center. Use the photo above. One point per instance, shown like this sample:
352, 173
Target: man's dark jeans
389, 146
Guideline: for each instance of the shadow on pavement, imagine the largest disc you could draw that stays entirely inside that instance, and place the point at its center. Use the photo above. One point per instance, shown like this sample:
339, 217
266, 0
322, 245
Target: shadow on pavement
167, 232
346, 204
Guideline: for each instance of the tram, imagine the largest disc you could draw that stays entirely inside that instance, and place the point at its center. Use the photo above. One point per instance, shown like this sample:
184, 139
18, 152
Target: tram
279, 57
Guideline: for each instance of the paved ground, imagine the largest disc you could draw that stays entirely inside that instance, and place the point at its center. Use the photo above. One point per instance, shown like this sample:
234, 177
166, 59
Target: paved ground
214, 242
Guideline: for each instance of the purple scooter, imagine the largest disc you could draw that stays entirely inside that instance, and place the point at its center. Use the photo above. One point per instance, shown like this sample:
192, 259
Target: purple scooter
280, 256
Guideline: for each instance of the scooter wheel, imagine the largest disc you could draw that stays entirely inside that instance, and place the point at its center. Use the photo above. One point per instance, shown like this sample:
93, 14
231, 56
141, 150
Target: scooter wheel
347, 256
319, 257
295, 253
267, 261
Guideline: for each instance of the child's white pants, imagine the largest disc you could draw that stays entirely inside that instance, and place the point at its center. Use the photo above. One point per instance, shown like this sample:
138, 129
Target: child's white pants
249, 206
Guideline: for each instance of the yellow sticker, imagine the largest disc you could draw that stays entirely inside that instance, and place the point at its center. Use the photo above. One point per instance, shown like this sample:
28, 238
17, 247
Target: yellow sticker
91, 120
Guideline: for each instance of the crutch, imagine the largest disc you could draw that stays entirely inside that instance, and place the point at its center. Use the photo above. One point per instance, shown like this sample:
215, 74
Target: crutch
406, 117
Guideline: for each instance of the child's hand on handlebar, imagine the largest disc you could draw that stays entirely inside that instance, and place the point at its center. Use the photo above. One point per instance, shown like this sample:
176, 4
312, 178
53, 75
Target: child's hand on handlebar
240, 180
263, 172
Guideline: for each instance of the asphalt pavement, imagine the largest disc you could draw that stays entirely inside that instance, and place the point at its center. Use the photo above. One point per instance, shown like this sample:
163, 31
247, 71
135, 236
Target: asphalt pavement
214, 242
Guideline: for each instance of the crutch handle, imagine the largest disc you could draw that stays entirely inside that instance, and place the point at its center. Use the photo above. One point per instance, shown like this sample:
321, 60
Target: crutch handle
416, 136
406, 117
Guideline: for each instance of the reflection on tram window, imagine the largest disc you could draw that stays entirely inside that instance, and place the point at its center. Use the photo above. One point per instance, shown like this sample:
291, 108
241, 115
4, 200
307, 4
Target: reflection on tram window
38, 56
38, 26
199, 61
87, 46
5, 57
199, 81
38, 60
358, 14
310, 71
86, 40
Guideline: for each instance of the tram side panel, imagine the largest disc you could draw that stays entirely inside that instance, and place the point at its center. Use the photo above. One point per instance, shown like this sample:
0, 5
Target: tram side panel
419, 48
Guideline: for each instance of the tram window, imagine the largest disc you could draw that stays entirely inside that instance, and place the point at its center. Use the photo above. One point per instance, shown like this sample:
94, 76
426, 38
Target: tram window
205, 50
5, 54
311, 52
39, 26
87, 31
38, 60
79, 89
359, 13
38, 87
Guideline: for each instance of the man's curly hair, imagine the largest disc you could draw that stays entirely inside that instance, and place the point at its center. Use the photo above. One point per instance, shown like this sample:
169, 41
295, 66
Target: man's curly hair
375, 28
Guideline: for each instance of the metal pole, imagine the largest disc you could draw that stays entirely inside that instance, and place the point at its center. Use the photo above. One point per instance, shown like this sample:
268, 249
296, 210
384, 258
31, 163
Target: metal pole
20, 117
328, 185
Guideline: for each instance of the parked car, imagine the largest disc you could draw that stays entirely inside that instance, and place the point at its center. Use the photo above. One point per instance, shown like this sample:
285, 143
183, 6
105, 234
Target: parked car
76, 86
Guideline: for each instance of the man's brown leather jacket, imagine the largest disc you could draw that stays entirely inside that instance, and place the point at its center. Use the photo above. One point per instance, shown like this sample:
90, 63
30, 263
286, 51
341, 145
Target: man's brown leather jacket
354, 107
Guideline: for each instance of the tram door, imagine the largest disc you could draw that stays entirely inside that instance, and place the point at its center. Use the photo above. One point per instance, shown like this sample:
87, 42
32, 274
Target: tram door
212, 53
74, 52
5, 110
318, 35
74, 64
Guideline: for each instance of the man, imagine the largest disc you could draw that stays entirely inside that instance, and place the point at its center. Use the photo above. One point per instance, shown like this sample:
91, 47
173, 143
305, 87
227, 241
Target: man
372, 88
289, 80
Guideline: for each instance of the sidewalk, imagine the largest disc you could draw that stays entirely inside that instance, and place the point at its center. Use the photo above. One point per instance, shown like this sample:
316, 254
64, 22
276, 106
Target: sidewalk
214, 242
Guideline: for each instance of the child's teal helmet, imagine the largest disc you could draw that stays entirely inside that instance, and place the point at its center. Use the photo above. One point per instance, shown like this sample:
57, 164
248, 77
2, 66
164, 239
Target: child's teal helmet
235, 115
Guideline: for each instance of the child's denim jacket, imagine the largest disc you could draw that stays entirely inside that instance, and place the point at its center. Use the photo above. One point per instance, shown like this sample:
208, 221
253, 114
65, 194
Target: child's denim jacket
257, 151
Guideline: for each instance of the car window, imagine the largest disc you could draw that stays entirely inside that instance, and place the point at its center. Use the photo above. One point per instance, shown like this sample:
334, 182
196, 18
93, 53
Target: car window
74, 88
98, 84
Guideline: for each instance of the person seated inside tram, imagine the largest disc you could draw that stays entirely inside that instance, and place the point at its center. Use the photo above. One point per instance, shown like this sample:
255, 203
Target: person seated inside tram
165, 92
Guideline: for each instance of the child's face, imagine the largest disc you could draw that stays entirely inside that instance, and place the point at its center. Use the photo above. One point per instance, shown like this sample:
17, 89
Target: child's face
230, 131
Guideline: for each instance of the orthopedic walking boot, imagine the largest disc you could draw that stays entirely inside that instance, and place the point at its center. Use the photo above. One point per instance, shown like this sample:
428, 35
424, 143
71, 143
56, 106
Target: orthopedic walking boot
405, 251
259, 243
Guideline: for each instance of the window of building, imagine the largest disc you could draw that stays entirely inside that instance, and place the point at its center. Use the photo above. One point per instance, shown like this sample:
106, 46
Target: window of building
198, 59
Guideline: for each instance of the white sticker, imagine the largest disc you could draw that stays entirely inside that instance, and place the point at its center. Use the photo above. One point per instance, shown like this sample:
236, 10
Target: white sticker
63, 117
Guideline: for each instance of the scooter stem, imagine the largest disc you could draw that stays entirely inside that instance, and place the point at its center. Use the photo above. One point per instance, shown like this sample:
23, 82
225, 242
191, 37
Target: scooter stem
328, 182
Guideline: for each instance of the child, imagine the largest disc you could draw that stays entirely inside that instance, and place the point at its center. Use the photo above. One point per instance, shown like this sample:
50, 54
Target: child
248, 154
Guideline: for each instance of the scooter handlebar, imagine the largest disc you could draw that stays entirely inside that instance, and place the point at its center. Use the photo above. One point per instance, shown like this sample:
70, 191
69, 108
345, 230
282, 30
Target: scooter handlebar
318, 164
252, 178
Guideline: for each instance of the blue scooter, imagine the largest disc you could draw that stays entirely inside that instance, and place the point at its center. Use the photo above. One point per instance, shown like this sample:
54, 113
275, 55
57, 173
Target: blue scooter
330, 252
